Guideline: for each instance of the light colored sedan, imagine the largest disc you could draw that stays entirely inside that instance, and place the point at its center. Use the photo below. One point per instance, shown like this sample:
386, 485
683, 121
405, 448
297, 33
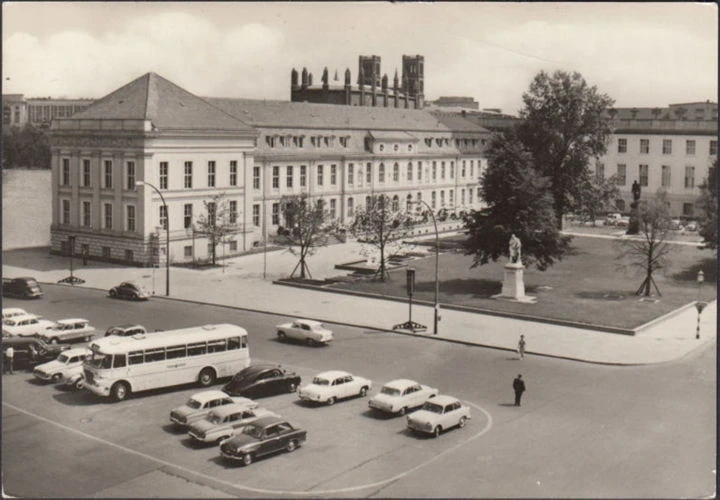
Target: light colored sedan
53, 371
328, 387
439, 414
25, 325
305, 330
200, 404
401, 395
10, 312
225, 422
68, 330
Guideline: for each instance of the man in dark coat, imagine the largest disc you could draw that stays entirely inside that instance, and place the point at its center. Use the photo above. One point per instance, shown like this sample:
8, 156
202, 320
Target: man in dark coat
519, 388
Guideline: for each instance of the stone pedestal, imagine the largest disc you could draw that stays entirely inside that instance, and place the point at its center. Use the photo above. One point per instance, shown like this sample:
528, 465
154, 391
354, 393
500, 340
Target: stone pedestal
513, 287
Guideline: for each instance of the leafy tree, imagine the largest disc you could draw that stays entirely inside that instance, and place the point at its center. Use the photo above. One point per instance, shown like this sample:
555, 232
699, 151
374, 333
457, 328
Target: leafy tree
382, 226
25, 147
708, 203
519, 203
216, 222
565, 123
308, 227
649, 251
597, 196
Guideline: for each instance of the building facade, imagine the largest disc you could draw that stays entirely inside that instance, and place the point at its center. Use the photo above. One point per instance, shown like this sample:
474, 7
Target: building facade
39, 111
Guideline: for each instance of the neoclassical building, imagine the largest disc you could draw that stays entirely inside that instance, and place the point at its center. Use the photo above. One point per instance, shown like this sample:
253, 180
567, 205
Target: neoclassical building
190, 148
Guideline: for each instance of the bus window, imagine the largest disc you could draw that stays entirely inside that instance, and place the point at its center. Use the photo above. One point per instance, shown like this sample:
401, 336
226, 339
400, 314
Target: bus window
118, 361
216, 345
176, 351
233, 343
197, 349
243, 341
154, 355
135, 357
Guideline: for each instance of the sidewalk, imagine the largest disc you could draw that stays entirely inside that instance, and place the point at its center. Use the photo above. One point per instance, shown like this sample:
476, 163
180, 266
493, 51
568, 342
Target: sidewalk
240, 284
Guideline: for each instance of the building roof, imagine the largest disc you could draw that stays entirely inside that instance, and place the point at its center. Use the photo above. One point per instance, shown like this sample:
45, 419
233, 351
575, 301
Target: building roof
458, 123
167, 106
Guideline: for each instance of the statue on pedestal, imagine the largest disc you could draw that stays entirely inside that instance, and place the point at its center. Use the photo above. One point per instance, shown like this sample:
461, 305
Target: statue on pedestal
634, 224
514, 250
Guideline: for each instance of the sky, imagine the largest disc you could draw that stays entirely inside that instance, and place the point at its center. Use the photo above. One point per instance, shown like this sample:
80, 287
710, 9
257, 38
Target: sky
640, 54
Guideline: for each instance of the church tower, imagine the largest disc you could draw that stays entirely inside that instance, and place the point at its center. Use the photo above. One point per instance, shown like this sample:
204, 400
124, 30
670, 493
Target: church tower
413, 72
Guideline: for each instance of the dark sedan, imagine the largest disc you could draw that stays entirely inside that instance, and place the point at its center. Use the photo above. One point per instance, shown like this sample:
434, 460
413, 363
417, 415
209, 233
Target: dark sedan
262, 380
129, 290
30, 351
264, 436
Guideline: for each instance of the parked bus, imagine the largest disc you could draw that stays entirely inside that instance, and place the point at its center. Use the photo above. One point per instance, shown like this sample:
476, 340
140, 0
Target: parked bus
122, 365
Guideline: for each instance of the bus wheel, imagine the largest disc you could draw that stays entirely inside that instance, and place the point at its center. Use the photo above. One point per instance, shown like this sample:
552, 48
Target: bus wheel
206, 377
120, 391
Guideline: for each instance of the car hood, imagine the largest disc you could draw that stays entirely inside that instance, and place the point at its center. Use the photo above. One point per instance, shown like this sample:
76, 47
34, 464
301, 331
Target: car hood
51, 366
184, 411
237, 388
385, 399
240, 441
424, 416
206, 426
315, 389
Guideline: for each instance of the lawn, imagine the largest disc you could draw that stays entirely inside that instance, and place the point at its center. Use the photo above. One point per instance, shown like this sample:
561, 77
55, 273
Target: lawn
586, 286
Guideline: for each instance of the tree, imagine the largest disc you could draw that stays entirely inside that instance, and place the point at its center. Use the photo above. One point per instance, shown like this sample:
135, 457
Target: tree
649, 252
564, 124
597, 196
382, 225
708, 204
216, 222
25, 147
308, 227
520, 203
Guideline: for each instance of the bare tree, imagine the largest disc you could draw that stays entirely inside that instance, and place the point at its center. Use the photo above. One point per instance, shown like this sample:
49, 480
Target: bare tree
217, 222
382, 225
649, 252
308, 226
596, 196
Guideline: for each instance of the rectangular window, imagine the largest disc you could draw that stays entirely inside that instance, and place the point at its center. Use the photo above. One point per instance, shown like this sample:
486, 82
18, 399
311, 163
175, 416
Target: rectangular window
442, 198
276, 177
188, 174
211, 174
351, 174
289, 179
197, 349
333, 175
65, 174
368, 173
451, 197
108, 216
108, 174
86, 213
350, 207
233, 172
622, 145
381, 173
472, 168
65, 212
333, 208
470, 196
433, 201
233, 246
303, 175
256, 215
713, 148
690, 147
599, 171
644, 146
163, 216
419, 171
665, 176
319, 175
643, 174
689, 177
434, 170
211, 210
130, 218
442, 170
86, 173
621, 174
106, 253
256, 177
452, 169
462, 170
130, 175
667, 146
688, 209
276, 214
233, 212
187, 215
462, 196
409, 172
163, 175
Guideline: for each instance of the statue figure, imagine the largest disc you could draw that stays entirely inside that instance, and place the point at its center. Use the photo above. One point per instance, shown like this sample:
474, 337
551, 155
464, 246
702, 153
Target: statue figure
515, 246
636, 191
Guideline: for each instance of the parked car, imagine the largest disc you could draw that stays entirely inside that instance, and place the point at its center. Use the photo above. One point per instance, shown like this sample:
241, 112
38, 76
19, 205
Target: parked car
30, 351
308, 331
25, 326
623, 221
612, 219
24, 288
225, 421
401, 395
125, 330
439, 414
11, 312
201, 403
691, 226
328, 387
262, 437
675, 225
52, 371
73, 378
68, 330
129, 290
262, 380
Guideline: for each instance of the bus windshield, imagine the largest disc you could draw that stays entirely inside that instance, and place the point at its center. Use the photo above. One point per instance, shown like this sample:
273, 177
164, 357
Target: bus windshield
99, 360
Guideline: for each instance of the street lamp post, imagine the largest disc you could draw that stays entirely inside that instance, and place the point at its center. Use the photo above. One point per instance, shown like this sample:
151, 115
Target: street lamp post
699, 304
436, 315
167, 235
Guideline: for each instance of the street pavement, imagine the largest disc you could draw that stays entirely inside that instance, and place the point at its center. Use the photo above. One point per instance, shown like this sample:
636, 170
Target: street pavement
247, 282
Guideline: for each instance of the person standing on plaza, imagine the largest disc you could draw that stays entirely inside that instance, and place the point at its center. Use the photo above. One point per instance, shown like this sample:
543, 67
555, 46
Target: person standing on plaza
9, 359
519, 388
521, 347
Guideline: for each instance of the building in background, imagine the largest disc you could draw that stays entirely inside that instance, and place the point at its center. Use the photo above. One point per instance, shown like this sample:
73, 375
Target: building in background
14, 110
456, 102
38, 111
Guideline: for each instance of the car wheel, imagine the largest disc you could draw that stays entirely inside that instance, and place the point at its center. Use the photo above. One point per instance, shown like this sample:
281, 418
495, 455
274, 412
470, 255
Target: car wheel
291, 446
291, 387
113, 293
247, 459
206, 377
310, 342
135, 296
437, 430
53, 340
462, 422
221, 439
80, 384
281, 335
402, 411
331, 401
363, 391
120, 391
56, 378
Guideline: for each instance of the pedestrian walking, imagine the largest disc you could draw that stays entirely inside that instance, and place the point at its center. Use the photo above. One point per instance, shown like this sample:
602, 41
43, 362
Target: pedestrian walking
519, 388
9, 360
521, 347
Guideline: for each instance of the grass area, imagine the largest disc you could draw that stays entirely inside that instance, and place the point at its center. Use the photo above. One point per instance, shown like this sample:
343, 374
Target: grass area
587, 286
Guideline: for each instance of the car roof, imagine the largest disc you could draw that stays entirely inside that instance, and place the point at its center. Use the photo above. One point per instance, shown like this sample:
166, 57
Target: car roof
125, 327
332, 374
69, 321
20, 317
77, 351
260, 367
225, 410
401, 383
443, 399
7, 310
310, 322
129, 283
268, 420
208, 395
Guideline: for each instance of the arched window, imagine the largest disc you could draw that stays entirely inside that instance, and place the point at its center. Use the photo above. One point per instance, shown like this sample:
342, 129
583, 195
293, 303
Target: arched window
395, 203
396, 172
381, 173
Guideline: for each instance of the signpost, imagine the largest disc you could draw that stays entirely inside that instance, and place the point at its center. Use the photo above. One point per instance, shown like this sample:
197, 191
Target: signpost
71, 279
410, 288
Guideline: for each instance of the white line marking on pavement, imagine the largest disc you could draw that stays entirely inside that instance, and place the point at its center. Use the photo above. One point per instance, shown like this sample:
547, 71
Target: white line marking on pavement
241, 486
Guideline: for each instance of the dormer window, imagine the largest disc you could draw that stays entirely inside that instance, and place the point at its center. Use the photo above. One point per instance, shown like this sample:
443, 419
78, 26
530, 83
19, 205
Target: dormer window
381, 147
439, 142
396, 148
410, 147
428, 141
270, 141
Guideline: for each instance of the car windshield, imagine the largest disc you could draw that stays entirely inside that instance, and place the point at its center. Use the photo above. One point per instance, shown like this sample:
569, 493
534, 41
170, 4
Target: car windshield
390, 391
253, 430
214, 419
100, 361
194, 404
10, 322
32, 283
432, 407
321, 381
63, 358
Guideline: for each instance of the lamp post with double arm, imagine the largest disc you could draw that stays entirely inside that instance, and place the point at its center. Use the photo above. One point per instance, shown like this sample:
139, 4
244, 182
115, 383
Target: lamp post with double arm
167, 235
436, 316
